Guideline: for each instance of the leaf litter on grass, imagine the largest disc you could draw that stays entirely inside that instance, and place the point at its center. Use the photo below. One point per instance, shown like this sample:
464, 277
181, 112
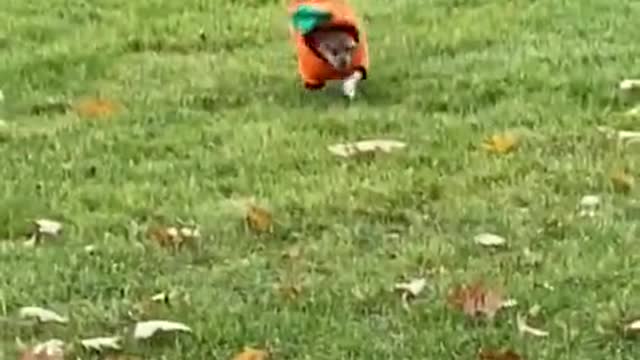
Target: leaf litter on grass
252, 354
173, 236
41, 314
96, 107
258, 219
503, 143
485, 354
621, 181
53, 349
366, 147
410, 290
477, 300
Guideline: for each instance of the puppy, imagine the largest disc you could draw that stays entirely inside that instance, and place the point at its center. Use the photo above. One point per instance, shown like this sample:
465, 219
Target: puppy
338, 48
334, 49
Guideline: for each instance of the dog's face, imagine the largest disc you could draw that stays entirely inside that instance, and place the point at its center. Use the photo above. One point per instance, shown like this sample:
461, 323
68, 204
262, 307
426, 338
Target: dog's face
336, 46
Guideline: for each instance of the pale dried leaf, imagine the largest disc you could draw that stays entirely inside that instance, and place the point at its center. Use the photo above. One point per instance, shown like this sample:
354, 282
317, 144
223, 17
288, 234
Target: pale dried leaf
49, 350
48, 227
102, 343
252, 354
590, 201
633, 111
487, 239
41, 314
633, 326
629, 84
190, 232
523, 328
147, 329
509, 303
90, 249
413, 287
366, 147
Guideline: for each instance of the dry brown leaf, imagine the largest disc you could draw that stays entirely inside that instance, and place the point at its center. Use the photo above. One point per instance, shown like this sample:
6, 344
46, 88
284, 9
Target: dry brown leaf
170, 236
622, 182
252, 354
498, 355
501, 143
476, 300
258, 219
49, 350
289, 291
94, 107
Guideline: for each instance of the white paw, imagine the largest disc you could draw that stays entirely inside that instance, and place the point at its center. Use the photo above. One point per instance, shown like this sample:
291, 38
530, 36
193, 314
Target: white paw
349, 88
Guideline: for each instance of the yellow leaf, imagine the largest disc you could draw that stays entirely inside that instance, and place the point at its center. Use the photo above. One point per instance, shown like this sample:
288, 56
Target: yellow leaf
252, 354
258, 219
95, 108
501, 143
289, 291
622, 182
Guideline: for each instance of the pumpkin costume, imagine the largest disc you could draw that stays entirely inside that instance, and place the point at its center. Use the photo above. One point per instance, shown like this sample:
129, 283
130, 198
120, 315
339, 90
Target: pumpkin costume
309, 15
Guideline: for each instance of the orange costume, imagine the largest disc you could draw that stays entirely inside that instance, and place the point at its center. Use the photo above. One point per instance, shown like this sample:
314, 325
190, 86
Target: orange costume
314, 69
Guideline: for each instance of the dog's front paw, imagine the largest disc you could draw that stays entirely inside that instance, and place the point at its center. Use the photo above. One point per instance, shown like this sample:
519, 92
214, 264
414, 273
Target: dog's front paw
349, 88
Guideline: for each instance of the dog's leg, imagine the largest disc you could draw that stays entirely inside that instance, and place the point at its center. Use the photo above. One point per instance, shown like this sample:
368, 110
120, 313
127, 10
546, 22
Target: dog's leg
350, 84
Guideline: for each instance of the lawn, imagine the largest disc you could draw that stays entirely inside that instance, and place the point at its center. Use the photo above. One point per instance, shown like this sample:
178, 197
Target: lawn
212, 112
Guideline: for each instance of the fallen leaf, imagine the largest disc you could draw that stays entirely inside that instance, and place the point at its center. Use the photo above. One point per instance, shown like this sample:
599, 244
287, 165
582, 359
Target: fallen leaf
633, 111
48, 227
588, 205
622, 182
501, 143
102, 343
258, 219
412, 288
629, 84
292, 253
289, 291
170, 236
633, 326
366, 147
487, 239
590, 201
146, 329
498, 355
42, 315
1, 96
49, 350
476, 300
524, 328
91, 107
252, 354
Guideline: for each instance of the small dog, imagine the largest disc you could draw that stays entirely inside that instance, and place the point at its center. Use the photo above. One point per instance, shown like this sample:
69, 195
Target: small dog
334, 50
336, 46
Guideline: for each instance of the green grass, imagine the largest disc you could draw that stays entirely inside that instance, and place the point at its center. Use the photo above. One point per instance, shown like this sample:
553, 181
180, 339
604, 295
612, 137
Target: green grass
209, 122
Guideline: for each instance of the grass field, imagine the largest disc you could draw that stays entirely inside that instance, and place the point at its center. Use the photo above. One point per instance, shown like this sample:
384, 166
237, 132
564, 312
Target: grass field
207, 122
